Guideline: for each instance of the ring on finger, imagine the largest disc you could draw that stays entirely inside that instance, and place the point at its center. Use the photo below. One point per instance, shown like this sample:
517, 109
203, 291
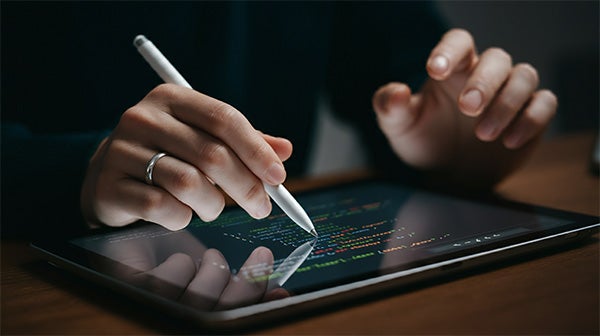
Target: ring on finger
150, 167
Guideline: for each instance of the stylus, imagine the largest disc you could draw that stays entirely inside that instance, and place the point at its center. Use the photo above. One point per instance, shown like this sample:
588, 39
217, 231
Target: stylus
169, 74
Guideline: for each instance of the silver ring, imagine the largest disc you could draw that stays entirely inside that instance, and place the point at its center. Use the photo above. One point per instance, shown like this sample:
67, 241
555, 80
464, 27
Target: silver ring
150, 167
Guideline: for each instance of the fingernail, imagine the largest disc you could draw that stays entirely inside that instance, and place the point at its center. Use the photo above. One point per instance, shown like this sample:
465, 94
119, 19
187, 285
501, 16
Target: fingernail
471, 102
275, 174
439, 65
396, 99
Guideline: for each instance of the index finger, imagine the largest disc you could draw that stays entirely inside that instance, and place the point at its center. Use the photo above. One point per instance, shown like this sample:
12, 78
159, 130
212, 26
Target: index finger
225, 123
454, 53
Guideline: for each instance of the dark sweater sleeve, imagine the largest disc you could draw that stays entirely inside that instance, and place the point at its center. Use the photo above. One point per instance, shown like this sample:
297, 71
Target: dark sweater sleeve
59, 104
41, 180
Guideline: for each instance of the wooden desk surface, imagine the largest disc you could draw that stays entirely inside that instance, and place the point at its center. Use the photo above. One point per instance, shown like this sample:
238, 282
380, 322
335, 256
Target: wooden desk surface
549, 293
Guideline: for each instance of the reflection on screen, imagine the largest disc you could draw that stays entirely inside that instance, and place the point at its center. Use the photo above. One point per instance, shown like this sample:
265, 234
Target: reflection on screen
363, 230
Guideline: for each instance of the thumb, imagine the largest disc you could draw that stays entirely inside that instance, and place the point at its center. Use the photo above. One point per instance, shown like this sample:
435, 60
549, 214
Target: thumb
395, 111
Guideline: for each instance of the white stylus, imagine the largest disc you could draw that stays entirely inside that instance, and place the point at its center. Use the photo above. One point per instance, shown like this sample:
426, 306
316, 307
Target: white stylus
169, 74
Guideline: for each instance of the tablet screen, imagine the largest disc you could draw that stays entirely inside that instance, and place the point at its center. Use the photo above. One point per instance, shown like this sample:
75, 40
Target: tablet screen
364, 230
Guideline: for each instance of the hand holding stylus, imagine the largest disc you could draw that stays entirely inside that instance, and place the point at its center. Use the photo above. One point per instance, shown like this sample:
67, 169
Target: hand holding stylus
205, 141
169, 74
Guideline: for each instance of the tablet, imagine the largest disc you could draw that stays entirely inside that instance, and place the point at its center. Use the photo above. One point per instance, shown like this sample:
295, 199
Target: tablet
373, 235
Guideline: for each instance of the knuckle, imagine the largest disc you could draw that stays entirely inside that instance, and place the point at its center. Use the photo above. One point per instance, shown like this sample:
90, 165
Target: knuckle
542, 109
133, 116
550, 99
136, 120
534, 120
549, 96
150, 204
165, 91
452, 38
255, 191
115, 149
222, 117
460, 32
500, 53
262, 152
508, 104
118, 151
214, 154
529, 72
186, 179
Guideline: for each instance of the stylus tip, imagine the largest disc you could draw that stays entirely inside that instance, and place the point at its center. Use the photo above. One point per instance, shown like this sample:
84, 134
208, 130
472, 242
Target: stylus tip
314, 233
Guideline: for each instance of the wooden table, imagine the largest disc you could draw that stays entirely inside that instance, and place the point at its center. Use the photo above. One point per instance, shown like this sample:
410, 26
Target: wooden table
554, 292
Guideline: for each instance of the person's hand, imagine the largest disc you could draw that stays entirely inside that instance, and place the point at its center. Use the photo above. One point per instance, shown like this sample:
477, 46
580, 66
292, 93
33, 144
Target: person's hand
205, 140
474, 119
